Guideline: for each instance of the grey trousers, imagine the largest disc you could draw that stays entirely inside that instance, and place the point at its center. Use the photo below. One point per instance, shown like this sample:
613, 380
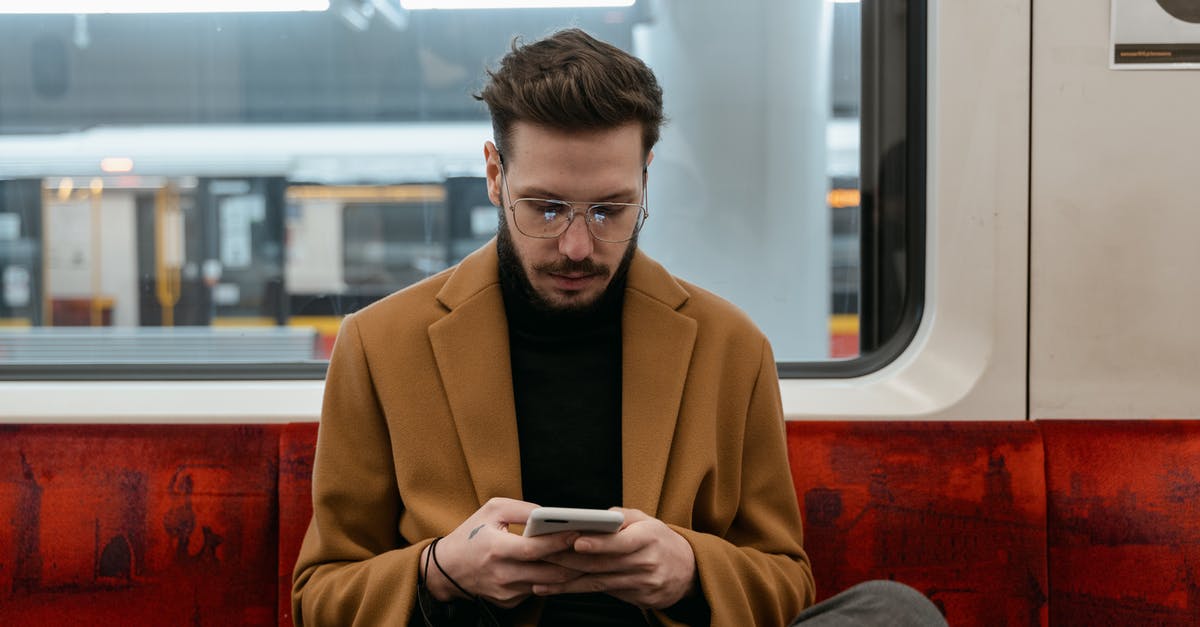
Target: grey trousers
873, 603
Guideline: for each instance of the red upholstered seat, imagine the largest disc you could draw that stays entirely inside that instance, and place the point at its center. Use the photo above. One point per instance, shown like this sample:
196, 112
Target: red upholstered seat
1124, 520
954, 510
297, 443
181, 524
138, 525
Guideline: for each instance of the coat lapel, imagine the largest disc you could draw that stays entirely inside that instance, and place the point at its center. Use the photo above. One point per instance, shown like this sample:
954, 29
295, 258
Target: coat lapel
656, 349
470, 345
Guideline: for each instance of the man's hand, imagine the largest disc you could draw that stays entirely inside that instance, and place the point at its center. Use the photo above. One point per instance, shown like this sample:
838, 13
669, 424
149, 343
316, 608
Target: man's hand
487, 560
645, 563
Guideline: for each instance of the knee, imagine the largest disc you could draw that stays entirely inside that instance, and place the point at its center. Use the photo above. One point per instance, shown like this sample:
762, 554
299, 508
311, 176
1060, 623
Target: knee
889, 589
871, 603
905, 600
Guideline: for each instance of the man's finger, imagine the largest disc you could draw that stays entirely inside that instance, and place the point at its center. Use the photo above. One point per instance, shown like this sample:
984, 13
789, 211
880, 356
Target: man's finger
608, 582
534, 548
507, 511
533, 573
631, 515
591, 563
627, 540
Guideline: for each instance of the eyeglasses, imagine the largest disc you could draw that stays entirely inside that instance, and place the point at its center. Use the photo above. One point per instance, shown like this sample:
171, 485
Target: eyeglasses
544, 218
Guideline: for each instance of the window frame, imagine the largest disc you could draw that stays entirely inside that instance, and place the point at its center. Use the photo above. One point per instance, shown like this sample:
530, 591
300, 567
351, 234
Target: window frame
877, 349
878, 120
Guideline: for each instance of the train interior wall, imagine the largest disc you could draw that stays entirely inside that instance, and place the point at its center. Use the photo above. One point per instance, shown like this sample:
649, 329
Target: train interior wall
1061, 222
1114, 289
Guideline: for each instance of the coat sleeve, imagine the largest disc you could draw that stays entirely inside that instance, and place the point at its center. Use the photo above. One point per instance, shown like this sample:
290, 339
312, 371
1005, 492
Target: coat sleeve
350, 570
756, 572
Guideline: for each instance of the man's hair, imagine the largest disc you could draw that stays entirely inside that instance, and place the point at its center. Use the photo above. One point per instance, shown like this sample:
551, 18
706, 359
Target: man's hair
572, 81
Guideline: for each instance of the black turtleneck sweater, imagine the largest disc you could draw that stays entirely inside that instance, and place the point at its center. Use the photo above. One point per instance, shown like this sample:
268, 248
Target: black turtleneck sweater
567, 387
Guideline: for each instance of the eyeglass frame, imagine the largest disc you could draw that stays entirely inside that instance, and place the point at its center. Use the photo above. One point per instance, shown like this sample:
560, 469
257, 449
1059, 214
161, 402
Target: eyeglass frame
570, 205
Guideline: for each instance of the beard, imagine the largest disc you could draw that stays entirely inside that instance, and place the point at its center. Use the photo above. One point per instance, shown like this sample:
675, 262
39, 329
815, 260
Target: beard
512, 267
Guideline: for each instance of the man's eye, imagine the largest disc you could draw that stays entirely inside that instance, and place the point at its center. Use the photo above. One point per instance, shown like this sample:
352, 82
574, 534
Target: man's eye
549, 212
603, 213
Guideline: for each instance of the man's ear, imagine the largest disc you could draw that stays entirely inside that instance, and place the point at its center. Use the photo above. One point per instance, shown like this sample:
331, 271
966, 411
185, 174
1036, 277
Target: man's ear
491, 156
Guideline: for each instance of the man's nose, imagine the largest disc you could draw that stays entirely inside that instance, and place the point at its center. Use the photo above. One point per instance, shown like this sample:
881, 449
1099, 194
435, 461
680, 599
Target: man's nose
576, 243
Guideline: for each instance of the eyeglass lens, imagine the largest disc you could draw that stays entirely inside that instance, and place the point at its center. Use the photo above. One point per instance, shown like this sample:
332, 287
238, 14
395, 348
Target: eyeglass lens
546, 218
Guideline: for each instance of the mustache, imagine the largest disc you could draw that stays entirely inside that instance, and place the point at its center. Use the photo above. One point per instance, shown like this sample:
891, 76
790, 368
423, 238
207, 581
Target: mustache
567, 266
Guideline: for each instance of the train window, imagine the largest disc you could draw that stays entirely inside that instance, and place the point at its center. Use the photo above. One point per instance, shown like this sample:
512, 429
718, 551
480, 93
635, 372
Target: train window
206, 195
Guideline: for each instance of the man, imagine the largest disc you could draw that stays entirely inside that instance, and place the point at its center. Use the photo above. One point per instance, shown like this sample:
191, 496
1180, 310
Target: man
556, 366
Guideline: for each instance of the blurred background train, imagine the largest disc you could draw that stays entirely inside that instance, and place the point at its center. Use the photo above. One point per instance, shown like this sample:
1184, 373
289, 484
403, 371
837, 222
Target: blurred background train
302, 175
932, 208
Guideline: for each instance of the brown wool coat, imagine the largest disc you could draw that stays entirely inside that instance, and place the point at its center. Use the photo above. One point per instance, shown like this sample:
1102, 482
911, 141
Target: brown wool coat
418, 430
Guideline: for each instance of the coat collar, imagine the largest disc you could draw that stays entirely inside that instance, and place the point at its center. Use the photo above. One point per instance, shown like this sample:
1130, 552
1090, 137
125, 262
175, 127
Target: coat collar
470, 345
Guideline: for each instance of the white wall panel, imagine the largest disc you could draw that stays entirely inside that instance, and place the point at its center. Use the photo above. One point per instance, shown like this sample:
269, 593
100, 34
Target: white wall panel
1115, 222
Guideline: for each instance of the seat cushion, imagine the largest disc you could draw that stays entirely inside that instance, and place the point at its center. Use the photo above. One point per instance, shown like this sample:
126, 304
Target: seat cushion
954, 510
138, 524
297, 444
1124, 513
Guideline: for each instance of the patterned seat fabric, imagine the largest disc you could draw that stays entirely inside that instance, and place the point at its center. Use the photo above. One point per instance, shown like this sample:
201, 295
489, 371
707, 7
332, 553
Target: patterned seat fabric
138, 525
1010, 523
956, 510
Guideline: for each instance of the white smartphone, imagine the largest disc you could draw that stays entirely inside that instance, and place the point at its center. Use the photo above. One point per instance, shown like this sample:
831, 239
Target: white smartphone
545, 520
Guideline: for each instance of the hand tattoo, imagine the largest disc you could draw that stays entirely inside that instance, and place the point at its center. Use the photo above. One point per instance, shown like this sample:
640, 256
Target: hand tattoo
475, 531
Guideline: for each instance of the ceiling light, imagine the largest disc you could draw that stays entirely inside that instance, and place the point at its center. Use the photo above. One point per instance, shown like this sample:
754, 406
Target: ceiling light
414, 5
116, 165
160, 6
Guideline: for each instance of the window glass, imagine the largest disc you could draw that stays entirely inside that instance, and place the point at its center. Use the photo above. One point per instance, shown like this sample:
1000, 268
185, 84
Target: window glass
222, 188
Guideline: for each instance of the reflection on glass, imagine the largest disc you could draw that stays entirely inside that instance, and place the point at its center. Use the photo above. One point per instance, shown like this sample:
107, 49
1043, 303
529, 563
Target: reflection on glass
225, 187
